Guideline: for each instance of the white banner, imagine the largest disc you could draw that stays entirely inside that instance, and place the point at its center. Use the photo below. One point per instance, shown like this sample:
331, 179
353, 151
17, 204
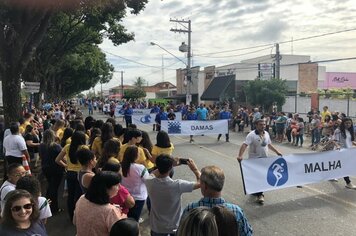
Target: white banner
149, 119
195, 127
264, 174
119, 111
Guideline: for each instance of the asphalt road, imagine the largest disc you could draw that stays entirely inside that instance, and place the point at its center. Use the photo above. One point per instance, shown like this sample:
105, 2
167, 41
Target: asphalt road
326, 208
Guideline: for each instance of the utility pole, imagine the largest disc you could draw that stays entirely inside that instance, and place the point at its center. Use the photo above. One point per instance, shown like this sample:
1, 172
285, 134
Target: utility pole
122, 85
189, 73
278, 62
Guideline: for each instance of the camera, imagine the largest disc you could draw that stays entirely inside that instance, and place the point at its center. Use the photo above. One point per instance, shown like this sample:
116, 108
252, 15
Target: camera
183, 161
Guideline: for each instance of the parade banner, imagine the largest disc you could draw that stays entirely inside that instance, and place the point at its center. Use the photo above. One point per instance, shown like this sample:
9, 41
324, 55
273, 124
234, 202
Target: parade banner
119, 111
195, 127
149, 119
264, 174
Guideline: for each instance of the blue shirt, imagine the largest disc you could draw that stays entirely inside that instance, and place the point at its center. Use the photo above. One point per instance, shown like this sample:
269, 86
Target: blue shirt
224, 115
192, 116
202, 113
161, 116
245, 228
128, 112
155, 109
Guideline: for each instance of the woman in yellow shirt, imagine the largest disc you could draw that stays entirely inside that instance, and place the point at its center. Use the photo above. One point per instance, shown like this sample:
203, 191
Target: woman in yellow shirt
110, 153
107, 133
134, 137
68, 159
58, 129
162, 146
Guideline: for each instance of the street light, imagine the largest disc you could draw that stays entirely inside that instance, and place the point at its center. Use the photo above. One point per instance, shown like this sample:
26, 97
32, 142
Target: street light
155, 44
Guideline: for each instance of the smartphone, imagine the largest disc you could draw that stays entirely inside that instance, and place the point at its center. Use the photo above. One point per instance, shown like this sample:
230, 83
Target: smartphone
183, 161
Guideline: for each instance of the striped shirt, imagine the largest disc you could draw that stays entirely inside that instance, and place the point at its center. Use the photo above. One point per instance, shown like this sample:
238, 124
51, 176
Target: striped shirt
244, 227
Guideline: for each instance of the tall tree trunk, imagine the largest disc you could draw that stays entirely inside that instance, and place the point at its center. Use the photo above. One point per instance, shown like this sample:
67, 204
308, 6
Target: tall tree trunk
11, 90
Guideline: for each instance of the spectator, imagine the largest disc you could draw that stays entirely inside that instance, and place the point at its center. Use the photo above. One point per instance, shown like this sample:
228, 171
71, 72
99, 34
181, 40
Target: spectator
225, 220
33, 186
88, 162
94, 215
300, 134
67, 136
134, 137
67, 158
211, 184
21, 216
32, 141
15, 147
48, 151
123, 198
133, 176
95, 132
110, 153
165, 195
163, 145
198, 222
125, 227
107, 133
14, 172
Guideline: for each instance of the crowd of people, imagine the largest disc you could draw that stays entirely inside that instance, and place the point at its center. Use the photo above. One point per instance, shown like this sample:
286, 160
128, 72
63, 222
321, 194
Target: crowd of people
112, 172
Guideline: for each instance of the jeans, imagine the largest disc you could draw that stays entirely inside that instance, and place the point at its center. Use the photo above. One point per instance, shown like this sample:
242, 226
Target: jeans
301, 138
135, 212
74, 192
54, 179
315, 136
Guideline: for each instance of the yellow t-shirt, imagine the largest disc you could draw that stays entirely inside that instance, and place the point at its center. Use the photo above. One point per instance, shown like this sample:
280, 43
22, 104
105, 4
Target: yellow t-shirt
97, 148
22, 128
113, 160
141, 156
60, 133
69, 140
158, 150
71, 166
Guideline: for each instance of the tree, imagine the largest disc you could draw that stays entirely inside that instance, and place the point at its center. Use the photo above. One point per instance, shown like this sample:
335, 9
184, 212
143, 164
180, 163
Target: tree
134, 94
265, 92
24, 23
140, 82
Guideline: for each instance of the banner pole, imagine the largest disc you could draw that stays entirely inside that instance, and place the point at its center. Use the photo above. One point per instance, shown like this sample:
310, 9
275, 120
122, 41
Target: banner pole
243, 179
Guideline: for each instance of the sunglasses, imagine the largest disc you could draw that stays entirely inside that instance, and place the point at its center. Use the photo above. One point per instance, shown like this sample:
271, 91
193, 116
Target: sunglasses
18, 208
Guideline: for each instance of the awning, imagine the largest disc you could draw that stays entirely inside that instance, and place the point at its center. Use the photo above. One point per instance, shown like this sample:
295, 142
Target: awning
217, 88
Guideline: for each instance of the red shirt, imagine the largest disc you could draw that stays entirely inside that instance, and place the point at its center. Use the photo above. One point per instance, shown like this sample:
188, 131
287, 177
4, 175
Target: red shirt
120, 199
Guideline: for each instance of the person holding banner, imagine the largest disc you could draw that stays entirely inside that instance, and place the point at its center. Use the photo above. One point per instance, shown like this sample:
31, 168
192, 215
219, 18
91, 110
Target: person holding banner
225, 114
128, 115
344, 137
162, 115
192, 115
258, 142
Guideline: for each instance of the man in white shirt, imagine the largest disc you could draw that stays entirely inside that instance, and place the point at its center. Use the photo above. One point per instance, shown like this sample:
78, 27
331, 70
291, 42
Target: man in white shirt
258, 142
15, 147
165, 195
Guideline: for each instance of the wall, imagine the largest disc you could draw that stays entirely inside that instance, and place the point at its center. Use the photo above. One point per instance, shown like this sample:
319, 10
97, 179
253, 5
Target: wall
303, 105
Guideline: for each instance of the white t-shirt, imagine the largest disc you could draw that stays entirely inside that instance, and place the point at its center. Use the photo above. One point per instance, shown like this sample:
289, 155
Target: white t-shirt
258, 144
14, 145
5, 188
134, 181
166, 208
43, 206
58, 115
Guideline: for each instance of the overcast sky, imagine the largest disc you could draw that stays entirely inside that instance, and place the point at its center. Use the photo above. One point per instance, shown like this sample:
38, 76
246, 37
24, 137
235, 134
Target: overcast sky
226, 25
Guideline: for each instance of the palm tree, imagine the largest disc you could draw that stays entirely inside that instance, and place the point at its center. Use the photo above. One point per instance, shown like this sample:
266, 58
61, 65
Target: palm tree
140, 82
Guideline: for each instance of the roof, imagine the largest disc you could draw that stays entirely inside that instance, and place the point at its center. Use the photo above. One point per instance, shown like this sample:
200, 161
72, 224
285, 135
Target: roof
217, 87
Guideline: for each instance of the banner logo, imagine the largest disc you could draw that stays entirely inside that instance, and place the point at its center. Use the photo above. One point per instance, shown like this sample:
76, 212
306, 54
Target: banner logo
146, 119
277, 174
174, 127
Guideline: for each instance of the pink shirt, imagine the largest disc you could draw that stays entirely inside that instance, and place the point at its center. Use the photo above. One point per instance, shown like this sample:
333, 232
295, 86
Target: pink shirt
120, 199
93, 219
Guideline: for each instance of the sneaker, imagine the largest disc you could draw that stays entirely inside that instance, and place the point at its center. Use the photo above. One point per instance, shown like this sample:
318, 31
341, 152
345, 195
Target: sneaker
260, 199
140, 220
191, 141
350, 186
227, 141
299, 186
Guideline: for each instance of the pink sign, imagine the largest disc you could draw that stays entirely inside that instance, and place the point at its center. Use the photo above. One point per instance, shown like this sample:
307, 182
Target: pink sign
339, 80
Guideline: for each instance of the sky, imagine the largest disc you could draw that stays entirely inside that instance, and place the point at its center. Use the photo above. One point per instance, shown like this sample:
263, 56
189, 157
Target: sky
223, 29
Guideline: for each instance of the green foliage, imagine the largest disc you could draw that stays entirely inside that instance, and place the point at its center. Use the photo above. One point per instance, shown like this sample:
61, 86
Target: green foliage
134, 94
265, 92
340, 93
140, 82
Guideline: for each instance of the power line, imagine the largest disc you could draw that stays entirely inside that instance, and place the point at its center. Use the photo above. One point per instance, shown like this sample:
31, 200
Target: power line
136, 62
288, 41
242, 54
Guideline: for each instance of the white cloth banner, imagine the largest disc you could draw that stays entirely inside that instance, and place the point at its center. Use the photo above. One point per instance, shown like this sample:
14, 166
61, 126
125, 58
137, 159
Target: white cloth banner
119, 111
264, 174
149, 119
195, 127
